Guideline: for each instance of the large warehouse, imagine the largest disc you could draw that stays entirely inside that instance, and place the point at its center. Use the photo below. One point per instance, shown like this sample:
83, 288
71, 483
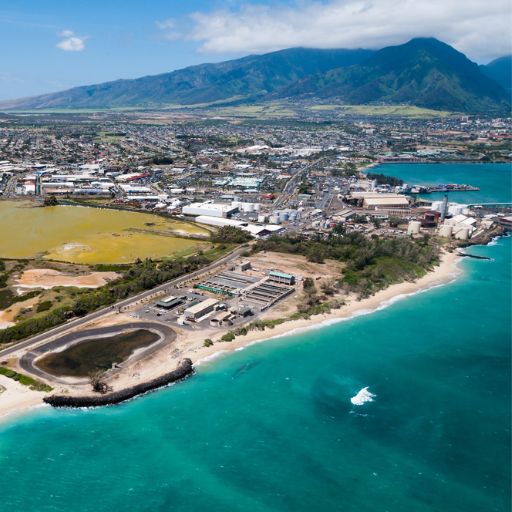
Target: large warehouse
210, 209
385, 201
198, 310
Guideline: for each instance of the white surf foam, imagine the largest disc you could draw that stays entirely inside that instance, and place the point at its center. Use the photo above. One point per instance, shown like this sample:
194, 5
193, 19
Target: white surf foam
362, 397
332, 321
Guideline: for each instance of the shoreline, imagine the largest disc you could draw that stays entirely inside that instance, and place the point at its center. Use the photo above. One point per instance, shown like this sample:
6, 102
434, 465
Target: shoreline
446, 272
22, 400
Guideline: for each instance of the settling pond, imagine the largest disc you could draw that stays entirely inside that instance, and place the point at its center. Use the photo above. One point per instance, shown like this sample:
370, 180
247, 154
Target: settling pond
90, 235
94, 354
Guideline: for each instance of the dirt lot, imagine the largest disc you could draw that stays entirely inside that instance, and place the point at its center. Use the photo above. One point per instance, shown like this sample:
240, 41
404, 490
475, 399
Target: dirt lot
300, 267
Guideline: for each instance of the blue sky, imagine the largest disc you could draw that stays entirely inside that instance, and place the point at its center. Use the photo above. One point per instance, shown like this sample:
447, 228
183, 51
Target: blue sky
52, 45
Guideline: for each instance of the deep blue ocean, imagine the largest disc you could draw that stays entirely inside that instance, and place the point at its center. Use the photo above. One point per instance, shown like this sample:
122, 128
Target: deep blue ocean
272, 428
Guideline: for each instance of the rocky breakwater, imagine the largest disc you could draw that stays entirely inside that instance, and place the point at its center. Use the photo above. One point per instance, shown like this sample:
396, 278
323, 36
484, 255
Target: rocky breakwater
184, 369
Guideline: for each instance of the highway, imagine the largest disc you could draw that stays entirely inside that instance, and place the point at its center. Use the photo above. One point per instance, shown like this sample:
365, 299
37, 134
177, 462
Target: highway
292, 184
29, 343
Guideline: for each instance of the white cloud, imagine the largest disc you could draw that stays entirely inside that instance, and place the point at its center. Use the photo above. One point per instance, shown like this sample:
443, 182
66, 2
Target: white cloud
167, 28
166, 24
479, 29
71, 42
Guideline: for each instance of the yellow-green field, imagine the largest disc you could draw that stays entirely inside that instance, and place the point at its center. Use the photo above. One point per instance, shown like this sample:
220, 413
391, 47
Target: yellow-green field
90, 235
393, 110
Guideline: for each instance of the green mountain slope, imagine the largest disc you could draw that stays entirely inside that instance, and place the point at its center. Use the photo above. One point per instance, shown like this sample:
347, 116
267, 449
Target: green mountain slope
500, 70
423, 72
250, 77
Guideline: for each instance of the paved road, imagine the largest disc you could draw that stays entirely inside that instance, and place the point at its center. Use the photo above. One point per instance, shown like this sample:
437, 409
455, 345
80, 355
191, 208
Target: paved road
167, 335
293, 182
73, 324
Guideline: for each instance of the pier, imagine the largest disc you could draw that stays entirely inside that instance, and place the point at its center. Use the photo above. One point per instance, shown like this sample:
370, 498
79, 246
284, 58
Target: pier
450, 187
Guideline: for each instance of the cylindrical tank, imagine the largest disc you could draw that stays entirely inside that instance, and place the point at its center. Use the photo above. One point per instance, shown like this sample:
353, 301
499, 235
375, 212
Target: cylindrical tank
462, 234
274, 219
446, 231
456, 209
283, 216
436, 206
414, 227
262, 219
256, 207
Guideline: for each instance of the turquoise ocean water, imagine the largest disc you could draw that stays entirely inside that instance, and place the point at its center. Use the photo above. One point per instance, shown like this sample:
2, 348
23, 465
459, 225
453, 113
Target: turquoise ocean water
272, 428
494, 180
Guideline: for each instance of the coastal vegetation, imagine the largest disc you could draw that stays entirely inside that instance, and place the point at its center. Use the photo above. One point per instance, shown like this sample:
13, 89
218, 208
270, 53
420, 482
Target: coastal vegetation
25, 380
382, 179
371, 263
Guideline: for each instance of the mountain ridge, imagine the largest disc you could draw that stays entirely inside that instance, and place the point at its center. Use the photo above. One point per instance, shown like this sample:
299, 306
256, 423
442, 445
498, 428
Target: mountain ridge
424, 72
500, 70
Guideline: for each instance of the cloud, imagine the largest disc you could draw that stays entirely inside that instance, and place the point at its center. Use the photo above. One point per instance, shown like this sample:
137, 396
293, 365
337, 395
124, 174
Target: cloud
167, 28
480, 29
71, 42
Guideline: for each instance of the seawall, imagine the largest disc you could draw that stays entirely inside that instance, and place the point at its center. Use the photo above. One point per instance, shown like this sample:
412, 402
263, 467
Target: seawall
184, 370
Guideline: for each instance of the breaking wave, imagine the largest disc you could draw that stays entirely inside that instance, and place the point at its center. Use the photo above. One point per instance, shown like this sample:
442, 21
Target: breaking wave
362, 397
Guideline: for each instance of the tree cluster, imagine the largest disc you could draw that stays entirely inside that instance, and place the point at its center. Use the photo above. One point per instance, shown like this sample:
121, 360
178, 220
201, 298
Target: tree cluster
371, 263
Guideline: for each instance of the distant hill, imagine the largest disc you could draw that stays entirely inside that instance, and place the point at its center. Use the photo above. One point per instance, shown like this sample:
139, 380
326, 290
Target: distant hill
247, 78
424, 72
500, 70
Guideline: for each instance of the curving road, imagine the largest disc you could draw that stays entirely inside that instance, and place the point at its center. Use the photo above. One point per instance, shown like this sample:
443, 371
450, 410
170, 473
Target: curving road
72, 324
167, 335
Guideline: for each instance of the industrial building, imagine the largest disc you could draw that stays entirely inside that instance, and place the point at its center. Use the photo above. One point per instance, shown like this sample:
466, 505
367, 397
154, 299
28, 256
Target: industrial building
376, 200
388, 201
267, 294
253, 229
281, 277
197, 311
210, 209
169, 302
227, 283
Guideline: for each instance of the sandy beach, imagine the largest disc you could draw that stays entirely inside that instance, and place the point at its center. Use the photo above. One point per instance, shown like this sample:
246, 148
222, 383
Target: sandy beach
190, 343
16, 398
446, 272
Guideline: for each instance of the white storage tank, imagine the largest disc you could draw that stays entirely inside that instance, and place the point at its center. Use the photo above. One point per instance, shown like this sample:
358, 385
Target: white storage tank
414, 227
446, 231
437, 206
274, 219
262, 219
456, 209
256, 207
462, 234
